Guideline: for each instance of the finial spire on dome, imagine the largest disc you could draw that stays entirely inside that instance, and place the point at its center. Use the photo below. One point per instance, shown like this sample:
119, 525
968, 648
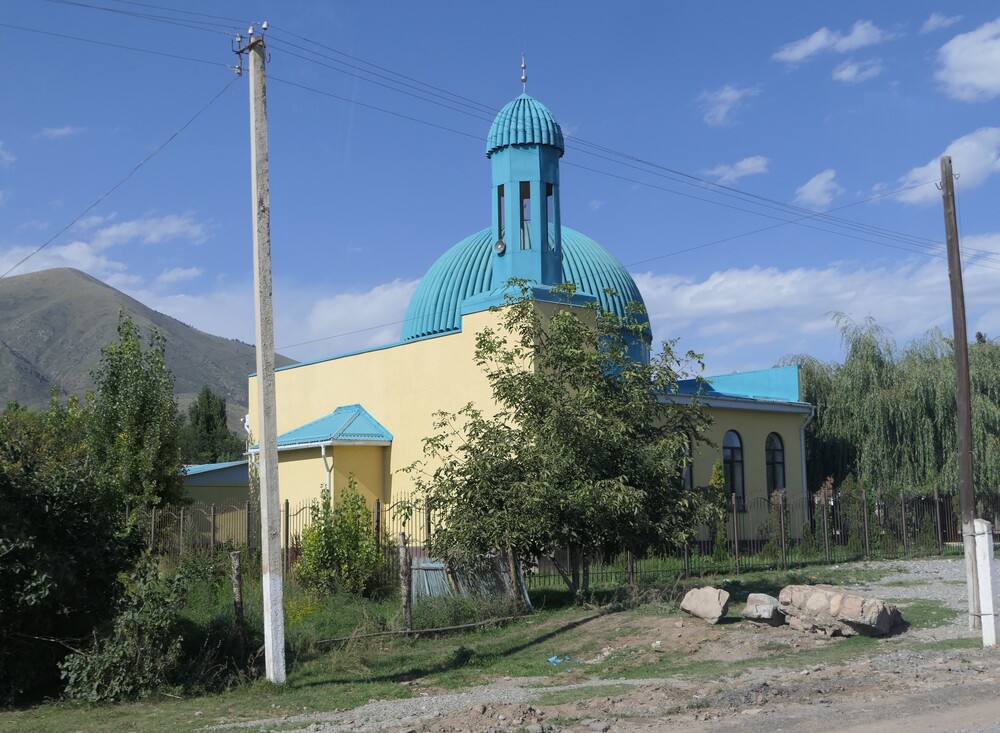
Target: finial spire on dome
524, 75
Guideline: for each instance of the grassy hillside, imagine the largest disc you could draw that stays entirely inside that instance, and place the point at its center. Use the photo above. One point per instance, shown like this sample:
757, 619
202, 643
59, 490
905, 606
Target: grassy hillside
54, 323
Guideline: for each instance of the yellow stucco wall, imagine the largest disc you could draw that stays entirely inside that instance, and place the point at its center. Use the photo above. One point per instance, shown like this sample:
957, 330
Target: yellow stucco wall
753, 427
401, 387
404, 385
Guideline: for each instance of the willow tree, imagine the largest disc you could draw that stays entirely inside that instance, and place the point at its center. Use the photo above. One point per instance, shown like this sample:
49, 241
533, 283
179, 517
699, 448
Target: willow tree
887, 416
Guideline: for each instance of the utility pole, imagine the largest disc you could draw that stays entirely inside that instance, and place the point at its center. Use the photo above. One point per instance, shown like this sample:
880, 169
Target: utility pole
270, 510
963, 395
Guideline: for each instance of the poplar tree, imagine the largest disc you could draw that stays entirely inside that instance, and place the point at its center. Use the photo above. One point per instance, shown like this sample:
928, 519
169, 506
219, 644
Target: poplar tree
134, 430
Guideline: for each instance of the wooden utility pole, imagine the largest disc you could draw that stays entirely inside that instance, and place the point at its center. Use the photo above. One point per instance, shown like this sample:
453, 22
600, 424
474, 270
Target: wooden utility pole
963, 395
270, 510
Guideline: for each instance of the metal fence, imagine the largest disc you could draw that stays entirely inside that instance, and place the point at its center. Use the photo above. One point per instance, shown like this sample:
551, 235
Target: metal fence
762, 534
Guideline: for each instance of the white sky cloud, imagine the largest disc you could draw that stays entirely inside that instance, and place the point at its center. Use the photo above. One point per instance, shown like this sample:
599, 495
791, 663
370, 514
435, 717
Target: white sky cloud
52, 133
770, 312
936, 21
89, 253
720, 104
726, 174
151, 230
179, 274
6, 157
595, 204
819, 191
969, 64
4, 195
852, 72
375, 315
975, 157
863, 33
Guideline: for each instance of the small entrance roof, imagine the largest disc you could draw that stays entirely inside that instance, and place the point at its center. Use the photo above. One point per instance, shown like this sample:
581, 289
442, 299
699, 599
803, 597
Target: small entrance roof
347, 425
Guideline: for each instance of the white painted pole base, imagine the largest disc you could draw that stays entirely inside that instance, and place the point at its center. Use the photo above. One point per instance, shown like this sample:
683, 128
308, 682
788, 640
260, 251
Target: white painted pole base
987, 588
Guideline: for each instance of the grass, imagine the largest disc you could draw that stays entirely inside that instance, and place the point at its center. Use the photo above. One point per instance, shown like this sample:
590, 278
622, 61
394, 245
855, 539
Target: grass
323, 677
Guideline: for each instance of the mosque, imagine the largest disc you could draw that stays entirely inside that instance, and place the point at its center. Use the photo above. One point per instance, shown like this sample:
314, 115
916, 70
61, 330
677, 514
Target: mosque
366, 413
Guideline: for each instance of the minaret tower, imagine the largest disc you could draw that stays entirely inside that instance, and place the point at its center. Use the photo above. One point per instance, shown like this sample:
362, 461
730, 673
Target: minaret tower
524, 147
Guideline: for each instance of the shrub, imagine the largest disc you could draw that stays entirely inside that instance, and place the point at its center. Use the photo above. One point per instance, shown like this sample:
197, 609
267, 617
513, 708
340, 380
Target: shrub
63, 543
339, 547
143, 648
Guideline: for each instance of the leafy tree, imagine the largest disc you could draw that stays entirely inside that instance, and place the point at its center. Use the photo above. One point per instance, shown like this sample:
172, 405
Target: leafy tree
339, 548
205, 437
63, 542
585, 449
134, 431
887, 415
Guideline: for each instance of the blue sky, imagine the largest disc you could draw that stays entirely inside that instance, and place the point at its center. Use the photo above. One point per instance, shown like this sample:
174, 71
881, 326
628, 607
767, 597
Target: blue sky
378, 114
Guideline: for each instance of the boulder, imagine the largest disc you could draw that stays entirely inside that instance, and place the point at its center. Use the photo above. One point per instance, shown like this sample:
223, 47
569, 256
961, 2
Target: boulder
763, 609
708, 603
836, 611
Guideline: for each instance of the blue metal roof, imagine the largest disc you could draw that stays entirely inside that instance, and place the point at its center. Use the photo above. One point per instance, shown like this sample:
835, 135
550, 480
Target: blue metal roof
347, 424
466, 270
524, 121
780, 384
206, 467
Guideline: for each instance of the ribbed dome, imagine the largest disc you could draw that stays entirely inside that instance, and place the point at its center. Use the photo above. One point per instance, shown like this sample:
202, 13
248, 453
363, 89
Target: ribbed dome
524, 121
467, 269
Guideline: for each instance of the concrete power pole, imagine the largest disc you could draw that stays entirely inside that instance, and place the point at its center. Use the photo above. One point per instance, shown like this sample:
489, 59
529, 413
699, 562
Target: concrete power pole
963, 396
270, 510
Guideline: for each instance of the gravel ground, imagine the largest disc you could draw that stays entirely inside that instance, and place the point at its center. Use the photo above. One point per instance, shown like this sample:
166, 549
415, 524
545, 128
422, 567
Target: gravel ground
947, 691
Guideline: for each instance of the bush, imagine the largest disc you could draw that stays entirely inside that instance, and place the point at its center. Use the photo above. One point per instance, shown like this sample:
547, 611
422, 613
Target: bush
143, 648
63, 543
339, 547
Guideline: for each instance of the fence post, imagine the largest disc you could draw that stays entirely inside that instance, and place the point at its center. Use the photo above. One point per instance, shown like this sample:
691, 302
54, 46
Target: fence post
249, 527
405, 581
864, 509
288, 555
211, 530
630, 558
736, 533
902, 514
236, 575
377, 524
781, 512
687, 560
826, 529
152, 529
180, 534
937, 520
427, 523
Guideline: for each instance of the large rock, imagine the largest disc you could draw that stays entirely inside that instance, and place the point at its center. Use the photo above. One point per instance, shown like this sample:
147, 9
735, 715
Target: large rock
836, 611
708, 603
763, 609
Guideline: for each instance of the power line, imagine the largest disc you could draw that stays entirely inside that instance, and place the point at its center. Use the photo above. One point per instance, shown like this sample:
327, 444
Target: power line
113, 45
166, 19
121, 182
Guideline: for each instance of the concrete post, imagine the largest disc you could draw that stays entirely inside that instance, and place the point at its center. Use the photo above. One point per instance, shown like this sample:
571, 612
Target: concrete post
270, 509
987, 588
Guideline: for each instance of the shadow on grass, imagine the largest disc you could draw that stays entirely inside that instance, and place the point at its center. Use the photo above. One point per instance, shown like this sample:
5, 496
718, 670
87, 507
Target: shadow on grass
456, 659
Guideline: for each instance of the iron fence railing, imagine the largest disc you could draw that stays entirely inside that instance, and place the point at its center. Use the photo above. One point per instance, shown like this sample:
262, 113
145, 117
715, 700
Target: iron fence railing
757, 534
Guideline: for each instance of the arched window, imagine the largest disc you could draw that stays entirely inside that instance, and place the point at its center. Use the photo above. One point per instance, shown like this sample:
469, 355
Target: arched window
732, 467
774, 452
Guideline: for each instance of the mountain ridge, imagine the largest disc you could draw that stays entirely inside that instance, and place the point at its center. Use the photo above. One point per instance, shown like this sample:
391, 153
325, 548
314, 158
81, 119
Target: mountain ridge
54, 323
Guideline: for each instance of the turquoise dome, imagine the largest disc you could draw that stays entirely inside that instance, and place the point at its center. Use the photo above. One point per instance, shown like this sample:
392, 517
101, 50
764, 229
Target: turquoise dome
466, 270
524, 121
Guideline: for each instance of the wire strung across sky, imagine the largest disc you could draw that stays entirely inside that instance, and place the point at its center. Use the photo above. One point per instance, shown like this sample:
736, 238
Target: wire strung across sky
331, 59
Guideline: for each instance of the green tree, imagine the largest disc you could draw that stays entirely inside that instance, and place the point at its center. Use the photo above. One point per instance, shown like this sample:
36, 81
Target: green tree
585, 451
205, 437
887, 415
134, 431
63, 542
339, 548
